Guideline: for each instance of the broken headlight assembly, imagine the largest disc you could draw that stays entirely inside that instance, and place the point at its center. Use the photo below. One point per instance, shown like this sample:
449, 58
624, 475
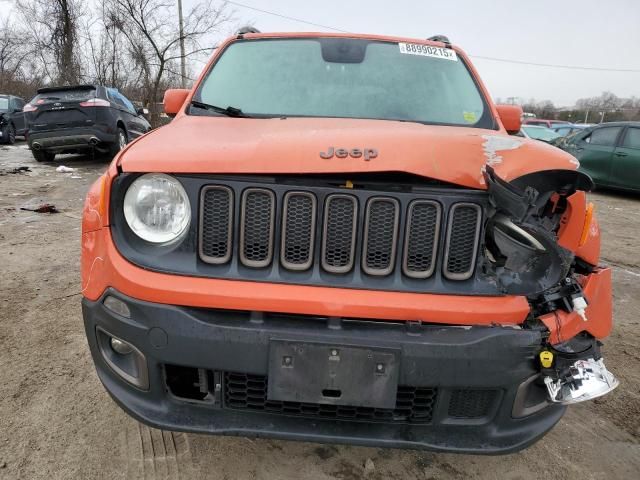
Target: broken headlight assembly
574, 371
524, 257
522, 250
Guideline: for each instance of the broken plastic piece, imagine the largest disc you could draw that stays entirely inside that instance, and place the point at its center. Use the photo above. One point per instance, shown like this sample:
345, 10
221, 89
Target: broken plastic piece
586, 379
63, 169
580, 306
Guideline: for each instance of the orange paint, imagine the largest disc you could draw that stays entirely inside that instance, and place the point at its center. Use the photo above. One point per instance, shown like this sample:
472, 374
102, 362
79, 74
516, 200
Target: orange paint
597, 290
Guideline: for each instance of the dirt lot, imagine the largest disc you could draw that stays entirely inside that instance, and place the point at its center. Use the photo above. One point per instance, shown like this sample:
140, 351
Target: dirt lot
57, 422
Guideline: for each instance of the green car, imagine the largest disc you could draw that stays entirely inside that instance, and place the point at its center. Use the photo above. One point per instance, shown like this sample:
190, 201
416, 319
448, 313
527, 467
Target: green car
609, 153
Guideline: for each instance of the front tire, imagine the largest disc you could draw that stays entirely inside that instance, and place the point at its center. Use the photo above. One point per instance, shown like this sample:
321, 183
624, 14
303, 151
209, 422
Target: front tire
120, 143
43, 155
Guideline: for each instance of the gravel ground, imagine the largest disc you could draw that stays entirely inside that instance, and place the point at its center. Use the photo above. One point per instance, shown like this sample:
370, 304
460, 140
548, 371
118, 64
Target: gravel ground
57, 422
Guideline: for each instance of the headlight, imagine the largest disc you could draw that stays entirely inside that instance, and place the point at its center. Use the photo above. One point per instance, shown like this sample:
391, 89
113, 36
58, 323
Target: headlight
157, 208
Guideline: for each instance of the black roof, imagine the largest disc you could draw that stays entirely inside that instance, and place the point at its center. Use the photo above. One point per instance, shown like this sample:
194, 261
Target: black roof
68, 87
617, 124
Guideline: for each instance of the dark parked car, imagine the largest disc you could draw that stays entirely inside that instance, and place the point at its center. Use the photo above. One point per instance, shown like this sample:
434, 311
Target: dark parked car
11, 118
565, 130
84, 117
609, 153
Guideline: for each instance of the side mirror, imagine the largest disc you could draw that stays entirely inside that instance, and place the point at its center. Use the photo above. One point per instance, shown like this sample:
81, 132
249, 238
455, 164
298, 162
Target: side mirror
17, 110
173, 100
511, 117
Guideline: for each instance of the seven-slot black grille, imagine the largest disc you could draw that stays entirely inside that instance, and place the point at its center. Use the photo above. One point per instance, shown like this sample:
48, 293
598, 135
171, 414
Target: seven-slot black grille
342, 233
249, 392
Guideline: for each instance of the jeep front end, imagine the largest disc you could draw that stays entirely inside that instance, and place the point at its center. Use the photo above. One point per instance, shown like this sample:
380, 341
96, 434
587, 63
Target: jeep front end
337, 240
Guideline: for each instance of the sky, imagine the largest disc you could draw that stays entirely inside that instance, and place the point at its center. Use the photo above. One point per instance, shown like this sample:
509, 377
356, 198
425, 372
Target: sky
585, 33
601, 34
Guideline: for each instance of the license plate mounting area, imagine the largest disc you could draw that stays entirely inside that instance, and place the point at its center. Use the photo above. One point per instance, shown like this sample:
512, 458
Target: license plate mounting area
333, 374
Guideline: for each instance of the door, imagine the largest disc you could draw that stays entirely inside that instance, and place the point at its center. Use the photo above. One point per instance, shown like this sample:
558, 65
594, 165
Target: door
594, 150
138, 123
128, 113
625, 164
18, 115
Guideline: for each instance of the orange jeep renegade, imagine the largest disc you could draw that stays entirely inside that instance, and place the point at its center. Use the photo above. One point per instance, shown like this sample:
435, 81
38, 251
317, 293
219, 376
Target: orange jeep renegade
337, 240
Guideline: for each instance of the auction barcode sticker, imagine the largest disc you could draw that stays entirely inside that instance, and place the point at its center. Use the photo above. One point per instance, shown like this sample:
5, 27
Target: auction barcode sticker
428, 51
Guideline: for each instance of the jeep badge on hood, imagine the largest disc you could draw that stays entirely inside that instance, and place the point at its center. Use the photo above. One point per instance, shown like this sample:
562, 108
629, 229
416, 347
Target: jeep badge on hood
367, 153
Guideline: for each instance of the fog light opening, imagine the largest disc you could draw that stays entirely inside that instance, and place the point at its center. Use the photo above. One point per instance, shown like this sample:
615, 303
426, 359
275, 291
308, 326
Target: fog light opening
117, 306
124, 359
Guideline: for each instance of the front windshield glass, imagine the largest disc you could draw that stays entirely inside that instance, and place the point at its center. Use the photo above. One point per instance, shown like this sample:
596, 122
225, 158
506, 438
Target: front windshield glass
4, 104
351, 78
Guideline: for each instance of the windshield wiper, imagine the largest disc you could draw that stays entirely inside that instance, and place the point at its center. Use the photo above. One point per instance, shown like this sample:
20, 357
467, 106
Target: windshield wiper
229, 111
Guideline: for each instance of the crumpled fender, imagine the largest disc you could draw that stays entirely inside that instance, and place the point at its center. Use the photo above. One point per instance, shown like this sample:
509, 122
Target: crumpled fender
597, 289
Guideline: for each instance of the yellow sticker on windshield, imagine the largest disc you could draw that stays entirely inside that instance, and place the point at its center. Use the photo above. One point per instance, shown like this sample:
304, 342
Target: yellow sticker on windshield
469, 117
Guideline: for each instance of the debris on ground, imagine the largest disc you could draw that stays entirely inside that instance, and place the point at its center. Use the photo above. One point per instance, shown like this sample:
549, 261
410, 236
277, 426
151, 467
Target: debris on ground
63, 169
16, 170
369, 467
44, 208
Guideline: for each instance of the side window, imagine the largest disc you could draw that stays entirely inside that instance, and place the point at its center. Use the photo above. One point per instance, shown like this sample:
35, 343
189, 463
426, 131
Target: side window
19, 103
605, 137
127, 104
632, 138
112, 95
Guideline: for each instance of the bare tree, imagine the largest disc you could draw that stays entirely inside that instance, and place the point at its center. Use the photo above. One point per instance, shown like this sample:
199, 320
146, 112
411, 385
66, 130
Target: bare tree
52, 30
12, 54
153, 35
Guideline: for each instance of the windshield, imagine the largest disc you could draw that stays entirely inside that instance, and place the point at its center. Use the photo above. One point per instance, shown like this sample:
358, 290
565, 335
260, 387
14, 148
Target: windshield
70, 95
351, 78
4, 104
541, 133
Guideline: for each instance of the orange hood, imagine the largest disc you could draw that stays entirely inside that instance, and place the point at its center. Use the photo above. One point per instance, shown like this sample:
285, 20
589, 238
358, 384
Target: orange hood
195, 144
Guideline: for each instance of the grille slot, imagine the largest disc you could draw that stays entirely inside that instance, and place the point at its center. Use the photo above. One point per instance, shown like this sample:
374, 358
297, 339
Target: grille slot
421, 239
463, 233
298, 230
216, 224
249, 392
468, 403
257, 227
339, 233
380, 235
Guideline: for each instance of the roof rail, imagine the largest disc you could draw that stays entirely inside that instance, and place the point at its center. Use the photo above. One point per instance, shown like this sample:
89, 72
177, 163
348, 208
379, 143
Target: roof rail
247, 29
440, 38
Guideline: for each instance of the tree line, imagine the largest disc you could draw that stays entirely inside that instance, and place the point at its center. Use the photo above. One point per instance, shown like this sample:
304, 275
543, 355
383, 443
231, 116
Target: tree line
607, 107
133, 45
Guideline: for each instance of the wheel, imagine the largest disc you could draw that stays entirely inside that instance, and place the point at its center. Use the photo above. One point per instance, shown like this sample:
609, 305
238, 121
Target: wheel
43, 155
120, 143
9, 134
